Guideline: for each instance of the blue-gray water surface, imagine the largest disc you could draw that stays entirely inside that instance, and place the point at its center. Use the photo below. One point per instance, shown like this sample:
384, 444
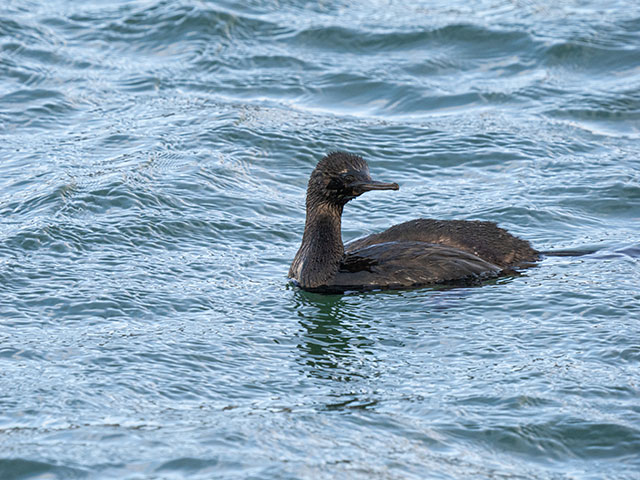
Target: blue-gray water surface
154, 156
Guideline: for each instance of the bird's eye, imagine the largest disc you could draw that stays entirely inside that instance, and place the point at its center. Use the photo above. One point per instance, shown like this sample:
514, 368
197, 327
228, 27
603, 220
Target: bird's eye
349, 178
334, 184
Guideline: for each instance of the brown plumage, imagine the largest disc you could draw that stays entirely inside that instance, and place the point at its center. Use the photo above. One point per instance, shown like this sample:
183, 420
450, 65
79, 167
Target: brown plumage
408, 255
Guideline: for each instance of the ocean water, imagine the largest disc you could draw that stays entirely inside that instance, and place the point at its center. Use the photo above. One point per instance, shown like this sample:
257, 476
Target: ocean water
154, 156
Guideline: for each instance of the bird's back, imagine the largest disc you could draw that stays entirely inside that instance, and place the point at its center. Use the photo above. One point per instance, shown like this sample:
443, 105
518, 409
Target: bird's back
483, 239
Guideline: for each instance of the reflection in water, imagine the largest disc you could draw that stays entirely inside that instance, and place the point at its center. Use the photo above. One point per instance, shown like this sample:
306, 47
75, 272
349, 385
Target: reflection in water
340, 331
336, 345
334, 342
347, 345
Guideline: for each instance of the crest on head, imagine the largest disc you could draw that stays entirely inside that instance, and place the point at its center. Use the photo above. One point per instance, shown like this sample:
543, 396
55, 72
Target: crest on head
336, 163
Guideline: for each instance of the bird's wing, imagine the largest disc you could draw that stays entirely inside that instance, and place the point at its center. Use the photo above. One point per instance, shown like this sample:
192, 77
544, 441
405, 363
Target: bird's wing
395, 265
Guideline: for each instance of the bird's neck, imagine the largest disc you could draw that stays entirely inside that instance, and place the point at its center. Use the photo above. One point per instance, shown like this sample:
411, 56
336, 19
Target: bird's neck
319, 256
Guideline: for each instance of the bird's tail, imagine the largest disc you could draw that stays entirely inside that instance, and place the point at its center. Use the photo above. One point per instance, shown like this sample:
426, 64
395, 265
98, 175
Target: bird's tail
569, 253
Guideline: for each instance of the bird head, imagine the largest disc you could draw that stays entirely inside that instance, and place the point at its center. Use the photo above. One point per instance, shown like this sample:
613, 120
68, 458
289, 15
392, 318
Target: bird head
340, 177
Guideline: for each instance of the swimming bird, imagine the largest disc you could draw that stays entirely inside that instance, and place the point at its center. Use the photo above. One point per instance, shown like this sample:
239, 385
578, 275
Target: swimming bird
413, 254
